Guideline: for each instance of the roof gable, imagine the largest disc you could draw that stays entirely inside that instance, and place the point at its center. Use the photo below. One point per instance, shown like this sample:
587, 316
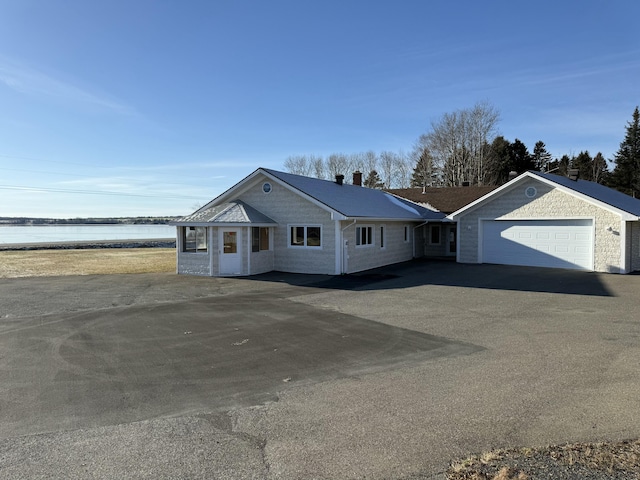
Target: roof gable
600, 195
342, 201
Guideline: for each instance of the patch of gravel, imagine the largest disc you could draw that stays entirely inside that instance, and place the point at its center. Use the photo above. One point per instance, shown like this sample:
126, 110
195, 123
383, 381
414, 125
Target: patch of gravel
577, 461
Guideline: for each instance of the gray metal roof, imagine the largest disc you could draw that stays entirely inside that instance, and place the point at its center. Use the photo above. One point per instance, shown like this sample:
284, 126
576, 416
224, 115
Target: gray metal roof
596, 191
235, 211
355, 201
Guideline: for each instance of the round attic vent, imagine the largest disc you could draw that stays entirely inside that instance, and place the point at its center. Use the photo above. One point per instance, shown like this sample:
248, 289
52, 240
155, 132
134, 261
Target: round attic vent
266, 187
530, 192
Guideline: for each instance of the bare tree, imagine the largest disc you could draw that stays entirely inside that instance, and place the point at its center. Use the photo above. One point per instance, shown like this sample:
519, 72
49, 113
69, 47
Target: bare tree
370, 161
403, 170
338, 164
318, 167
387, 163
459, 142
298, 164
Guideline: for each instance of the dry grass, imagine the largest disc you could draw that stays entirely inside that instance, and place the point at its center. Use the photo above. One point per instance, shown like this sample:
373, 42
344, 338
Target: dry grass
100, 261
621, 459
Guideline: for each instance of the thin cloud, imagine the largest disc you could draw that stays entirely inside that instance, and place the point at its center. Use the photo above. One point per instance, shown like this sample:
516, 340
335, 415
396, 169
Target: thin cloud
29, 81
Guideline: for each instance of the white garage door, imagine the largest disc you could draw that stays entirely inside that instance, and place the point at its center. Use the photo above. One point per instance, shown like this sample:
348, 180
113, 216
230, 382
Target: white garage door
540, 243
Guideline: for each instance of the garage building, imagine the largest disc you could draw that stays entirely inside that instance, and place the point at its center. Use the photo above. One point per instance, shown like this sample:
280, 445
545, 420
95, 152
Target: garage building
547, 220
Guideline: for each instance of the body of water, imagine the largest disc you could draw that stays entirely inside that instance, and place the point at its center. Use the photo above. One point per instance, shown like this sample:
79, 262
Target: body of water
22, 234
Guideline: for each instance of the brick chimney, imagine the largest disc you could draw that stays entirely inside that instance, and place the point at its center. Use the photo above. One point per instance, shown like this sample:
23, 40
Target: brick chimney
339, 179
357, 178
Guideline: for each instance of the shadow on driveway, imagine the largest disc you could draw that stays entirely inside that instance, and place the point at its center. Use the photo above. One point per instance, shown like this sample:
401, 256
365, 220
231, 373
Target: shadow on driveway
449, 273
126, 364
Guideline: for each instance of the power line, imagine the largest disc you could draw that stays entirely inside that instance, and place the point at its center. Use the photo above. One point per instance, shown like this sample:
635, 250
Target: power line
96, 192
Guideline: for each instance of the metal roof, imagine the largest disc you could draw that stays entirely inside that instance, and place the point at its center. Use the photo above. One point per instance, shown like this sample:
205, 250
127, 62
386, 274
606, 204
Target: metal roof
235, 211
624, 205
355, 201
596, 191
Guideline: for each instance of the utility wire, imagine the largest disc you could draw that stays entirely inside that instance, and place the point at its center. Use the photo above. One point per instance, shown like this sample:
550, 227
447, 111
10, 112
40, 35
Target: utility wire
95, 192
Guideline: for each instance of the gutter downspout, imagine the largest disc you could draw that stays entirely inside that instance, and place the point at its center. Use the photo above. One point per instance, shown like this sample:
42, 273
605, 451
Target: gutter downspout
342, 245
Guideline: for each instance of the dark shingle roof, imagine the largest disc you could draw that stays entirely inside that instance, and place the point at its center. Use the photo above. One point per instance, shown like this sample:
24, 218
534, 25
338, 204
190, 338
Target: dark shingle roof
355, 201
444, 199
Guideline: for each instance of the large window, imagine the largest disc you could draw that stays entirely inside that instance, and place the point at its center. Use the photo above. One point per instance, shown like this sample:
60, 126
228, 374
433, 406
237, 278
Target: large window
364, 235
434, 234
259, 239
194, 239
305, 236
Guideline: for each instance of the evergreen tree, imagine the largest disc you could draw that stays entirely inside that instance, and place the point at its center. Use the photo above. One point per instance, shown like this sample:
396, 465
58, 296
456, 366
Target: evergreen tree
498, 161
584, 163
422, 172
626, 174
373, 180
541, 157
521, 160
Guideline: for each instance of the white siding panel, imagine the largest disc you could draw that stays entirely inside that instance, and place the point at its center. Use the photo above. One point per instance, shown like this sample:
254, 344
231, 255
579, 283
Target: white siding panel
543, 243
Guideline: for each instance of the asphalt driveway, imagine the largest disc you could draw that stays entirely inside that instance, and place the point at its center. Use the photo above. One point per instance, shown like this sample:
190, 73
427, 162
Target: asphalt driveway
388, 374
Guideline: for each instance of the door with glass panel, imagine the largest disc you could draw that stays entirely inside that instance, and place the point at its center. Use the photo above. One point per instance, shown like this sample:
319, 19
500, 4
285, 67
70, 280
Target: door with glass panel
230, 241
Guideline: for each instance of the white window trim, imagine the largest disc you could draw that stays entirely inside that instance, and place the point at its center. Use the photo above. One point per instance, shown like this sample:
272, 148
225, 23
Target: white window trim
407, 233
305, 246
439, 235
183, 237
372, 237
383, 236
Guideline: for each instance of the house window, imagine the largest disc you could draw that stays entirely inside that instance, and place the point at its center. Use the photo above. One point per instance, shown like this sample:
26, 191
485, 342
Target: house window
364, 236
406, 234
194, 239
259, 239
382, 239
434, 234
305, 236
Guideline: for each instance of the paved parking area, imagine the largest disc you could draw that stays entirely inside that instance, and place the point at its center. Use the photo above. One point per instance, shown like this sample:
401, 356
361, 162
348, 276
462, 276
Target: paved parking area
389, 374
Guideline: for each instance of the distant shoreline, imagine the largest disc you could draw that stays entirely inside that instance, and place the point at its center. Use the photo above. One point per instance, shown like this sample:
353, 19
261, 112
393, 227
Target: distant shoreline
91, 244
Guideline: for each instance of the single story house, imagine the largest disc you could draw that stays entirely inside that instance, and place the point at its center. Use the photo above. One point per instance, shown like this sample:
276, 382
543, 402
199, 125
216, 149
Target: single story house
440, 239
273, 220
546, 220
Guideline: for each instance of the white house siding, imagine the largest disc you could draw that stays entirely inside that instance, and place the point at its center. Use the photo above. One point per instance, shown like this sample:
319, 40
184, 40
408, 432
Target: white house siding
261, 261
549, 203
371, 256
288, 208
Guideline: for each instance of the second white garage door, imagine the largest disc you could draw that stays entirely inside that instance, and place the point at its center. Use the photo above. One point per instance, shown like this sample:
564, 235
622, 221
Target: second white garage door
540, 243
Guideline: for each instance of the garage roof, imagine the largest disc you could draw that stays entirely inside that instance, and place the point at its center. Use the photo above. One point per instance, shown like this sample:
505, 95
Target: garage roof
626, 206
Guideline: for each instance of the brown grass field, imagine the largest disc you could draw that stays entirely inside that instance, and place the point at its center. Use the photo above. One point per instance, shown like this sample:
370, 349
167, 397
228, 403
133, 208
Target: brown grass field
99, 261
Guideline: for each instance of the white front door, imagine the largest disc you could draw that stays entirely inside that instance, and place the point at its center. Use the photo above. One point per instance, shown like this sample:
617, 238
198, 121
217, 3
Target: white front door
230, 241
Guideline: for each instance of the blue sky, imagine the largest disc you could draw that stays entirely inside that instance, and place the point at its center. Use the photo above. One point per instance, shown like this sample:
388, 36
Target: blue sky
119, 108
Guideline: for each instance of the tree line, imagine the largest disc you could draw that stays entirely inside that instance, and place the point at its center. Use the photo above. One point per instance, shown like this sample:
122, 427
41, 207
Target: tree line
86, 221
464, 148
